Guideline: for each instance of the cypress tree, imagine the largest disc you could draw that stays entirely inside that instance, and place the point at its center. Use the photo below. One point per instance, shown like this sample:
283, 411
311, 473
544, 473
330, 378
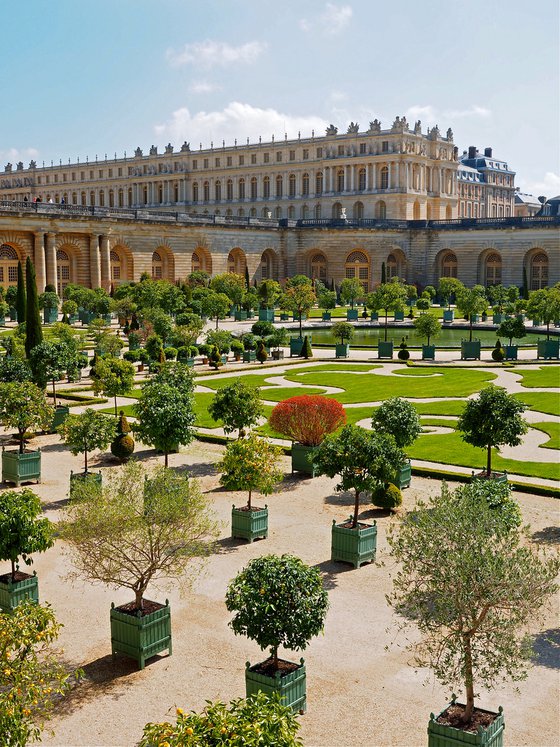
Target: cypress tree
306, 351
33, 329
21, 300
383, 273
247, 279
525, 288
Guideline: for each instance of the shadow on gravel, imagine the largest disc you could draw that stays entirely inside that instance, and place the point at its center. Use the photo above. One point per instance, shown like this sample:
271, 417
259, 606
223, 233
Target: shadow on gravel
330, 571
547, 536
546, 648
201, 469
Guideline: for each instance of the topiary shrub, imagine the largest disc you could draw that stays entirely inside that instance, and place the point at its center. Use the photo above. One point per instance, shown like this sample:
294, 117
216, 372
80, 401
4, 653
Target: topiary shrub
306, 351
262, 355
498, 353
215, 358
403, 354
204, 350
170, 354
131, 356
143, 355
123, 445
237, 349
387, 496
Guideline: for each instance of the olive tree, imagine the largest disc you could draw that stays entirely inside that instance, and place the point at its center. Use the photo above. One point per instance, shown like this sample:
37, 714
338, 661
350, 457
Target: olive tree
238, 406
492, 419
471, 585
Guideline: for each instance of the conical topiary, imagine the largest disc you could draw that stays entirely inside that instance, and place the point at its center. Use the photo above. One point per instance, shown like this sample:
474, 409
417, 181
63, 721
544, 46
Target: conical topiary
261, 355
123, 445
306, 351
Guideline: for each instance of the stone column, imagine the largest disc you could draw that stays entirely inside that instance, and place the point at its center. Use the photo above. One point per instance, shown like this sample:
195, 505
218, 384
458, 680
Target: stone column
39, 260
105, 262
94, 262
50, 252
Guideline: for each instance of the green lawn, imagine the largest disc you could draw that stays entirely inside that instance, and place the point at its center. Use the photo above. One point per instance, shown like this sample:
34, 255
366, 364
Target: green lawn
548, 402
541, 377
553, 430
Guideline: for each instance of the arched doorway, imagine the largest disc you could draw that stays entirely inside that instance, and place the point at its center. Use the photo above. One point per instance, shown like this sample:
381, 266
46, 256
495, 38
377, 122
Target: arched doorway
8, 265
539, 271
237, 262
116, 267
157, 266
448, 265
493, 269
269, 265
357, 266
201, 260
336, 210
63, 271
319, 267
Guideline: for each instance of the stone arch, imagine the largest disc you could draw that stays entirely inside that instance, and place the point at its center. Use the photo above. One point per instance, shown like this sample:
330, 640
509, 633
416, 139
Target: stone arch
490, 267
358, 210
396, 265
381, 210
68, 255
357, 265
201, 260
237, 261
121, 263
416, 210
269, 265
163, 263
9, 258
447, 265
318, 266
336, 210
537, 268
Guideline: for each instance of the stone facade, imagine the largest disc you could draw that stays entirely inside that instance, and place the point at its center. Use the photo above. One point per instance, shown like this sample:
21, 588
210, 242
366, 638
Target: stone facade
99, 247
486, 186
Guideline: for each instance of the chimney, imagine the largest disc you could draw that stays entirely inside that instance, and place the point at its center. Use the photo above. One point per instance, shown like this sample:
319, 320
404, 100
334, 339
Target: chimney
472, 151
488, 152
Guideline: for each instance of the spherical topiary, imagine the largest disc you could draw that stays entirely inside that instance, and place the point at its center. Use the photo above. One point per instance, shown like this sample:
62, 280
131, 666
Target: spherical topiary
498, 353
403, 353
387, 496
123, 446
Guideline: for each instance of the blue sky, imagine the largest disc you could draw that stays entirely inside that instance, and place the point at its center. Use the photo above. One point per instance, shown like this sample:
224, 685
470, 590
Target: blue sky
87, 78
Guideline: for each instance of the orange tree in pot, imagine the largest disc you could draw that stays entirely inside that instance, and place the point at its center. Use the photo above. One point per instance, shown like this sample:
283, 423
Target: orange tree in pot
306, 420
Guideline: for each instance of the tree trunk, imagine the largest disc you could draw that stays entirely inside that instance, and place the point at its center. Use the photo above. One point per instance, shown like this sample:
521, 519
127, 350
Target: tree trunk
386, 318
85, 461
217, 320
138, 601
166, 462
356, 509
300, 333
13, 571
489, 461
115, 405
54, 392
470, 327
21, 442
249, 501
469, 685
274, 654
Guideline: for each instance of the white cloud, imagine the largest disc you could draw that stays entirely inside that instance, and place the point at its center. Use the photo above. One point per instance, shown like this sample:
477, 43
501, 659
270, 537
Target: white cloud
203, 86
236, 120
13, 155
333, 20
431, 115
549, 185
211, 53
472, 111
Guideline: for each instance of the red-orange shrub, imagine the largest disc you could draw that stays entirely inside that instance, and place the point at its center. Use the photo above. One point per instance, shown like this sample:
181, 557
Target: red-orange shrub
307, 419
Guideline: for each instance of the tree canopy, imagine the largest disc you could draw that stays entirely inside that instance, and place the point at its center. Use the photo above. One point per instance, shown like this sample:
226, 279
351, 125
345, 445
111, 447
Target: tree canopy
87, 431
251, 464
238, 406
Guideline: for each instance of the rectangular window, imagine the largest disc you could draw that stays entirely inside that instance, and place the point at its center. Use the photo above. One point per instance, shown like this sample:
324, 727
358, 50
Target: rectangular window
205, 163
319, 152
110, 173
82, 175
120, 171
91, 174
47, 179
130, 170
12, 274
217, 163
292, 155
56, 178
278, 156
65, 177
341, 150
305, 154
242, 160
385, 146
195, 164
228, 161
253, 157
363, 148
101, 173
39, 179
73, 176
266, 157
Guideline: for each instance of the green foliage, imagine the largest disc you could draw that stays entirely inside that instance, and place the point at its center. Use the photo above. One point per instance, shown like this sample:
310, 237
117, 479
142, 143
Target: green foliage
342, 331
269, 291
427, 325
387, 297
299, 297
237, 348
511, 328
211, 304
14, 369
279, 337
326, 300
278, 601
33, 328
154, 347
470, 588
69, 308
161, 322
141, 527
229, 284
258, 721
447, 288
431, 291
423, 304
398, 417
22, 532
544, 304
263, 329
113, 378
498, 353
251, 464
220, 338
498, 497
250, 300
21, 299
48, 300
170, 354
23, 407
362, 460
387, 496
50, 361
306, 351
471, 301
491, 420
350, 290
215, 358
87, 431
262, 355
403, 354
238, 406
32, 680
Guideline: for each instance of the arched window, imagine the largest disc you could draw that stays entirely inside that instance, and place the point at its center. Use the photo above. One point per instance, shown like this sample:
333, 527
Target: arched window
160, 193
317, 212
62, 271
361, 179
292, 185
206, 191
241, 213
358, 211
357, 266
305, 184
319, 267
116, 267
83, 198
229, 190
218, 190
340, 180
130, 196
384, 177
254, 188
92, 197
195, 192
241, 189
74, 198
279, 186
381, 209
253, 212
195, 262
278, 213
416, 210
157, 266
291, 212
121, 198
201, 260
493, 269
336, 210
145, 190
8, 265
392, 267
539, 271
269, 265
102, 198
449, 265
237, 261
305, 212
319, 183
266, 188
176, 193
111, 198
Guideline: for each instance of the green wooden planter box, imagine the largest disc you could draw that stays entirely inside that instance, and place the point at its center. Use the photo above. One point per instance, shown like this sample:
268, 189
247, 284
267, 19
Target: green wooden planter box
18, 468
354, 546
189, 362
266, 315
342, 350
140, 638
374, 316
520, 317
284, 317
50, 316
441, 735
399, 316
296, 344
295, 317
404, 476
249, 356
60, 414
326, 316
475, 318
496, 476
537, 323
13, 315
240, 316
470, 350
428, 352
2, 321
548, 349
352, 315
249, 525
12, 594
73, 318
291, 688
448, 315
497, 318
302, 459
385, 349
80, 477
511, 352
277, 355
134, 344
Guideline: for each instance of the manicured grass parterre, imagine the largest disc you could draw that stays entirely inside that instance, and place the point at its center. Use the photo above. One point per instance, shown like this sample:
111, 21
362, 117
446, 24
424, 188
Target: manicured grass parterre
553, 431
541, 377
548, 402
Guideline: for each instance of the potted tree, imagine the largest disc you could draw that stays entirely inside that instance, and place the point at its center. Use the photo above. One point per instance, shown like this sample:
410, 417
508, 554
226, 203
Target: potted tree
363, 460
277, 339
113, 378
544, 305
238, 406
511, 328
122, 446
278, 601
11, 300
471, 302
268, 291
491, 420
342, 331
250, 464
327, 301
70, 312
306, 420
447, 288
350, 290
299, 298
4, 310
23, 407
22, 533
50, 362
475, 635
398, 417
387, 296
427, 325
48, 301
82, 434
141, 527
237, 349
